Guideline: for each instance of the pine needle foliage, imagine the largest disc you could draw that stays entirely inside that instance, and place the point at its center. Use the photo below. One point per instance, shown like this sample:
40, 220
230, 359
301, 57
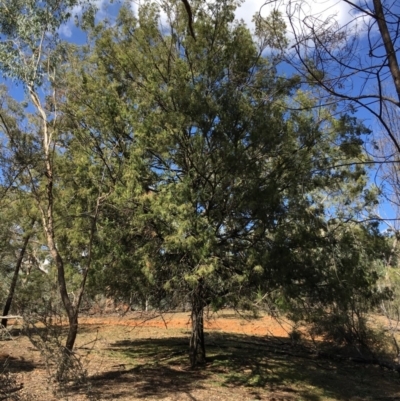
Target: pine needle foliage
223, 192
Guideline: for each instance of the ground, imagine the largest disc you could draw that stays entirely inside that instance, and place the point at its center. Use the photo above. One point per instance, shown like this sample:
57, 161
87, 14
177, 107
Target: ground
139, 356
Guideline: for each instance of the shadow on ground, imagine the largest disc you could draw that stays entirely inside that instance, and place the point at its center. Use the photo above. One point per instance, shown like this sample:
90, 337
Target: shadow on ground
16, 365
267, 368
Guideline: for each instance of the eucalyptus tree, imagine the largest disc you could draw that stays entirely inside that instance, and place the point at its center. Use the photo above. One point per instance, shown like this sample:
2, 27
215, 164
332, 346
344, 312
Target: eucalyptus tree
30, 55
16, 211
12, 241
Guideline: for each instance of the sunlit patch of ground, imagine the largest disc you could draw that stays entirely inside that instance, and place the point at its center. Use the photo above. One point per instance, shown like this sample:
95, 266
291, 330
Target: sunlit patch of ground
140, 356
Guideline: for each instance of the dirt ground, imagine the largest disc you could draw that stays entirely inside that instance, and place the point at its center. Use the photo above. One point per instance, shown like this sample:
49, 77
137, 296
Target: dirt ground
226, 321
140, 356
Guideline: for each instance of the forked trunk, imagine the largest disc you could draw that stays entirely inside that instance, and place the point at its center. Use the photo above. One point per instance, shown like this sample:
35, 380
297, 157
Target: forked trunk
72, 332
47, 212
65, 363
48, 225
62, 286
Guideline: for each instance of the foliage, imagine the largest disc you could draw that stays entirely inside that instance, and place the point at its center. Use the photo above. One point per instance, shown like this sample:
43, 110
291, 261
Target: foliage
224, 191
29, 34
169, 168
337, 304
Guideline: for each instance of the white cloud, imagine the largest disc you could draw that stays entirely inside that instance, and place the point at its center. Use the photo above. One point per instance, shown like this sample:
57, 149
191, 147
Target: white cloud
135, 4
302, 11
66, 30
322, 8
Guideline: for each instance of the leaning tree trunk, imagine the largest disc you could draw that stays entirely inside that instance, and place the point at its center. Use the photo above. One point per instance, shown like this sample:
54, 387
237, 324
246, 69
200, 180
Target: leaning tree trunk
197, 349
13, 285
68, 306
47, 212
62, 285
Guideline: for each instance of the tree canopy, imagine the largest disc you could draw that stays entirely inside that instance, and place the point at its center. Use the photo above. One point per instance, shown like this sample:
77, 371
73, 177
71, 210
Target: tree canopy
177, 169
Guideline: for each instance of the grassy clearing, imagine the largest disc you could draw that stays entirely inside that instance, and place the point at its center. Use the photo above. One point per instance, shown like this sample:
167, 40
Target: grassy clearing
151, 363
262, 368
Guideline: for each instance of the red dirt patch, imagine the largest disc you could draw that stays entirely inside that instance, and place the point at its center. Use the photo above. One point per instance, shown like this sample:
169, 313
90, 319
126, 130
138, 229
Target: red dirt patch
225, 321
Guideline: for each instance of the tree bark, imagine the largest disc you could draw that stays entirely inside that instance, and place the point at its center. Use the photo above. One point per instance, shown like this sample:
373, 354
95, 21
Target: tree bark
389, 45
197, 349
62, 285
14, 281
49, 226
72, 332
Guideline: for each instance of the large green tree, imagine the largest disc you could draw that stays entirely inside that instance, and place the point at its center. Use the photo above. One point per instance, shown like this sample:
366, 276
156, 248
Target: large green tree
222, 196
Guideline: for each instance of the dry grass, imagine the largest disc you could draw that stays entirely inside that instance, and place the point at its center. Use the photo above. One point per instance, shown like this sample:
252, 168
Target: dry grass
126, 360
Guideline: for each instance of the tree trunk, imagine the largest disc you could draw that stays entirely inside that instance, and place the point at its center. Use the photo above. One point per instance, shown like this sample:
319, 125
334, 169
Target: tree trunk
72, 332
65, 363
389, 44
62, 286
13, 285
48, 221
197, 349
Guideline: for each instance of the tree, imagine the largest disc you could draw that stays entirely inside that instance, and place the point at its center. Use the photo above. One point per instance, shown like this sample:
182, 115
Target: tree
13, 285
192, 219
19, 214
30, 54
225, 176
355, 65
